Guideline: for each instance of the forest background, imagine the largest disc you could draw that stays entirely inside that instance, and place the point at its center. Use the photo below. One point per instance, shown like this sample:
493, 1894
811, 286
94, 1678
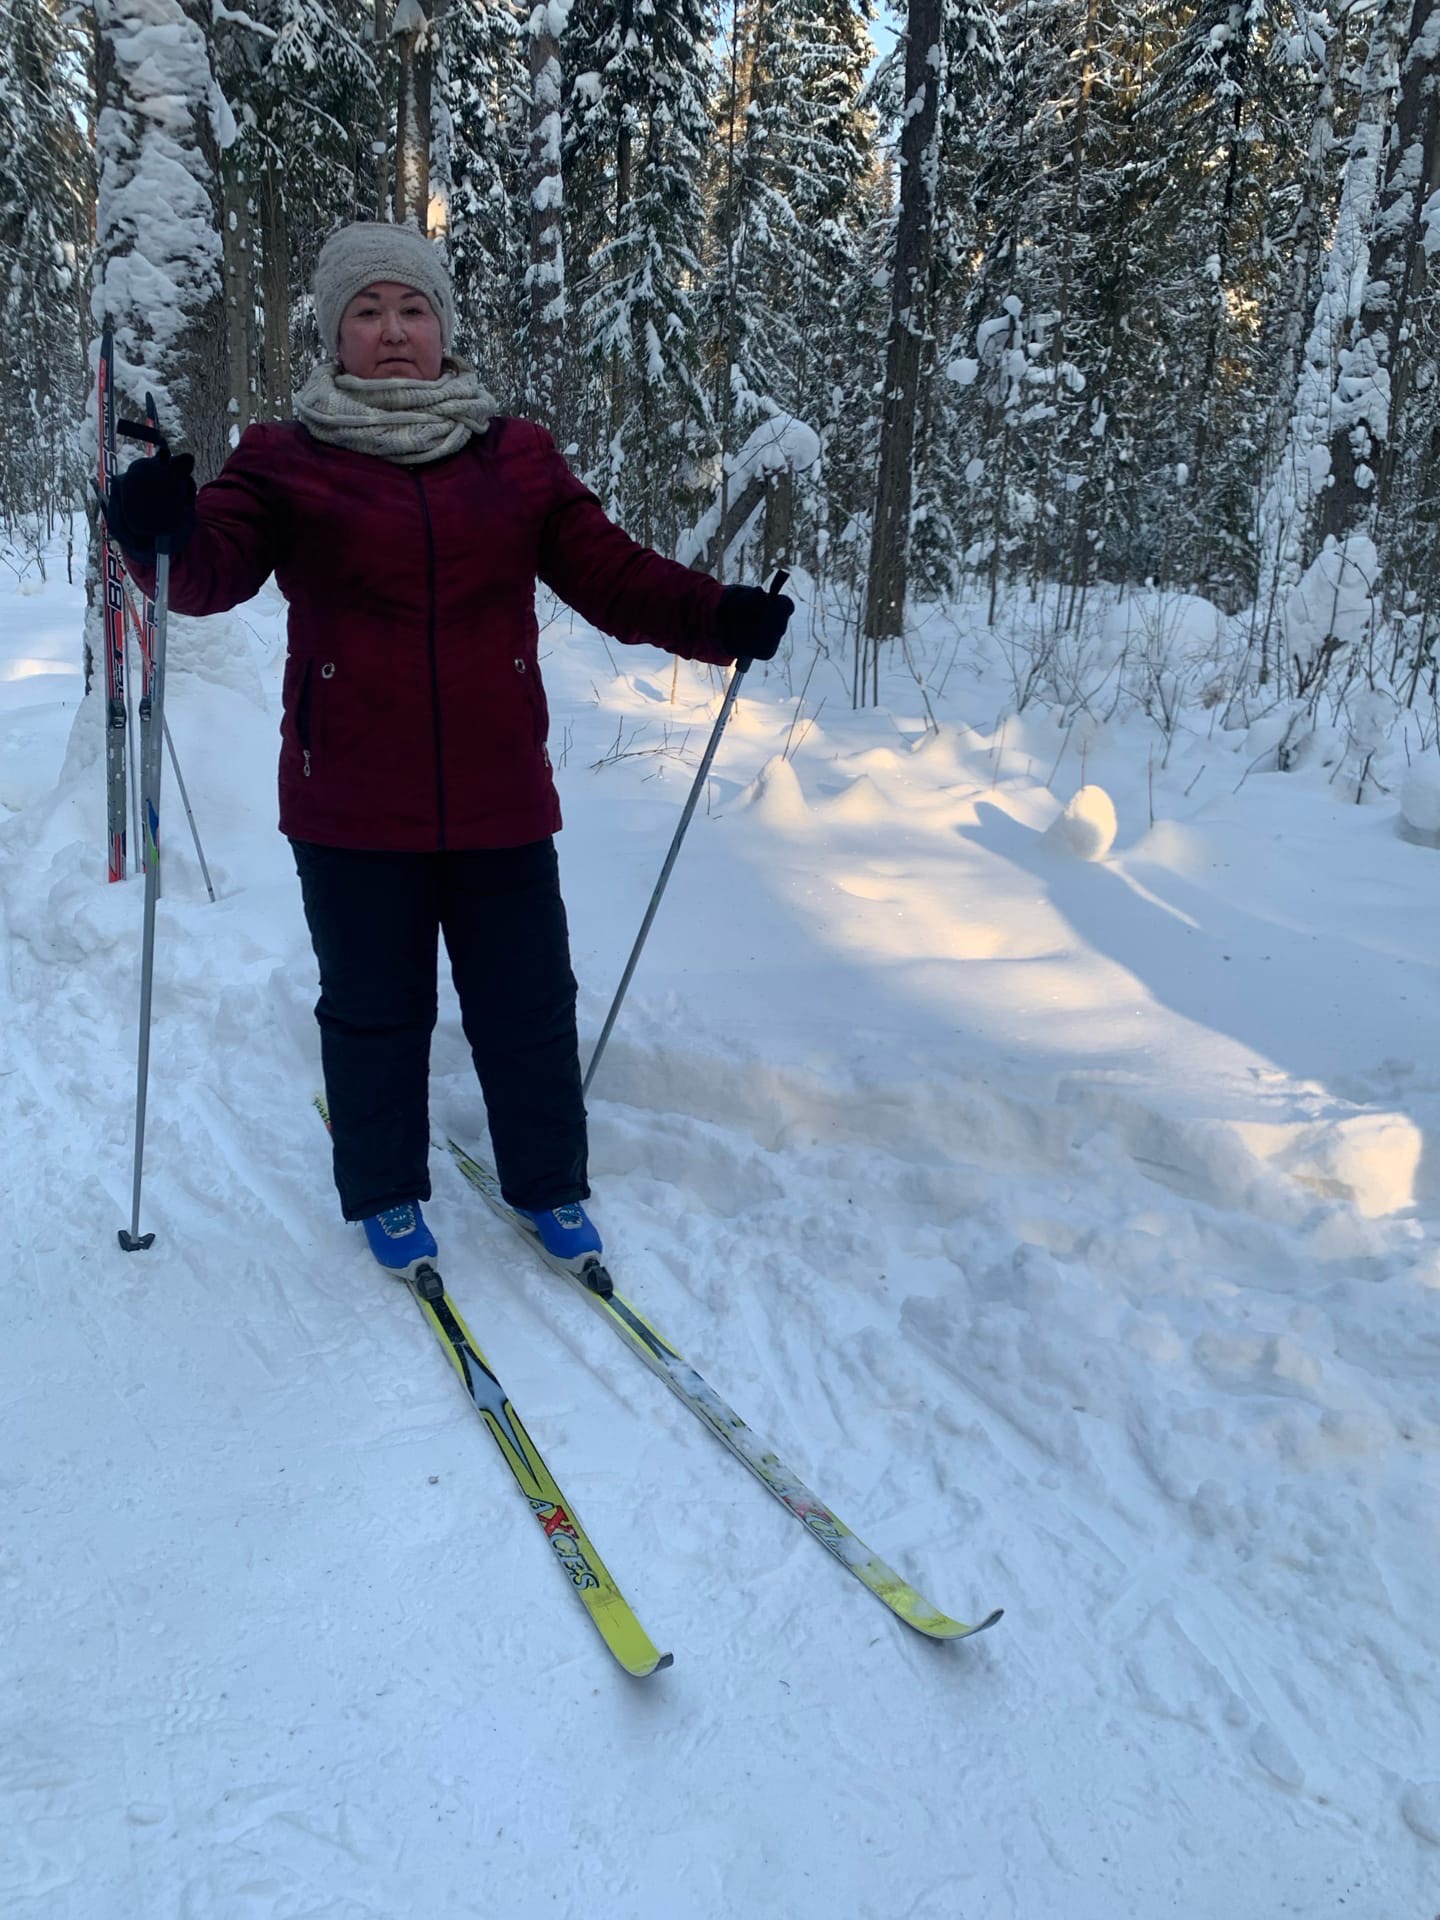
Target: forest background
1049, 297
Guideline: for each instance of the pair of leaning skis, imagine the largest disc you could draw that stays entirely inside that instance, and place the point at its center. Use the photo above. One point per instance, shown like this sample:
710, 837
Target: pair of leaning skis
587, 1573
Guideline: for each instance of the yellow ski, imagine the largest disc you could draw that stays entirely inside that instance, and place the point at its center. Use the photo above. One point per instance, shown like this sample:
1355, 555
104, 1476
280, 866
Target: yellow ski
883, 1581
586, 1571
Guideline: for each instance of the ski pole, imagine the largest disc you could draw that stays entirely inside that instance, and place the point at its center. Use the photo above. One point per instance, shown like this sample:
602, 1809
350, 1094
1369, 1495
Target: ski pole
134, 1241
742, 667
174, 762
132, 734
189, 812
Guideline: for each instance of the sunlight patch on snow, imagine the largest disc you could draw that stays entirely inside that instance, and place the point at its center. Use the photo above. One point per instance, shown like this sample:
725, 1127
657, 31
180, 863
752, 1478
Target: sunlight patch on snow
35, 669
914, 927
1369, 1160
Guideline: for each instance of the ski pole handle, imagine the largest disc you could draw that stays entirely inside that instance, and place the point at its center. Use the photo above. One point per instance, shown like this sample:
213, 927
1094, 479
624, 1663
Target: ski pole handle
777, 585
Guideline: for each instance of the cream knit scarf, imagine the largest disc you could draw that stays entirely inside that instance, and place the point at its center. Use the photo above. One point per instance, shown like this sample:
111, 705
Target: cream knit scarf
408, 421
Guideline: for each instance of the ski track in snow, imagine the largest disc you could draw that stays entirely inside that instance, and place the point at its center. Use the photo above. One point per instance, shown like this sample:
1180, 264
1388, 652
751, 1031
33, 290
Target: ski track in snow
1069, 1226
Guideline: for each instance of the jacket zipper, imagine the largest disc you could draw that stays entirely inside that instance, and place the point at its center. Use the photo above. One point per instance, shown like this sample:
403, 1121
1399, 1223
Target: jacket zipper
434, 666
302, 715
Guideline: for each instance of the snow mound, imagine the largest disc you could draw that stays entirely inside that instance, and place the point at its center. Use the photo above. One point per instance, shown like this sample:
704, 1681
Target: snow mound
1087, 827
1174, 847
776, 795
876, 760
1187, 626
1420, 1810
1331, 607
1369, 1160
1420, 801
861, 802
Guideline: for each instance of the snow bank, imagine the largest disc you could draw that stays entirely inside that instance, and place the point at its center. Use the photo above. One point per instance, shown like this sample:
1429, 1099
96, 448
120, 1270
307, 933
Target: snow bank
1073, 1232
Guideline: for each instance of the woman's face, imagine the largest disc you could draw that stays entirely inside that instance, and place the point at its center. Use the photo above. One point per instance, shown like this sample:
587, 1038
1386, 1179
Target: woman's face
390, 332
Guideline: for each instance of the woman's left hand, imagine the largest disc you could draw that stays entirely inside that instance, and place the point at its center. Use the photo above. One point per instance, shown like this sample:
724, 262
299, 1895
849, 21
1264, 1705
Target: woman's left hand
752, 622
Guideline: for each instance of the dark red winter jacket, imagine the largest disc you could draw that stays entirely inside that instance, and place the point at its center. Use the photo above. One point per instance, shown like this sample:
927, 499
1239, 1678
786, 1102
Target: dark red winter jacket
414, 718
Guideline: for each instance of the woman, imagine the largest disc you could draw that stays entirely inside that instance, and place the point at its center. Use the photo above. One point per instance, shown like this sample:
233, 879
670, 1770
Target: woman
406, 523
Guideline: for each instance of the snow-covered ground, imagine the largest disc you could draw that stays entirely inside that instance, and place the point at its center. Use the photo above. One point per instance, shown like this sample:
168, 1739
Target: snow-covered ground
1069, 1223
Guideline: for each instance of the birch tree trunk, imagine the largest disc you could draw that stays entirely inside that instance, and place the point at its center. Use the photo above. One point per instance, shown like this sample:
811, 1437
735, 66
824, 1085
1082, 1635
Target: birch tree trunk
158, 283
914, 238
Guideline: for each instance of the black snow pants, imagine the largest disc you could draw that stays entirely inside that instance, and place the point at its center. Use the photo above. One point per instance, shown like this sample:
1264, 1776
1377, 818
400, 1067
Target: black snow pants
375, 921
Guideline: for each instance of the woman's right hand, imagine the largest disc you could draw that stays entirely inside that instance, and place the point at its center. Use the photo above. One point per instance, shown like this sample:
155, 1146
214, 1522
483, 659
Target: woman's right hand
153, 498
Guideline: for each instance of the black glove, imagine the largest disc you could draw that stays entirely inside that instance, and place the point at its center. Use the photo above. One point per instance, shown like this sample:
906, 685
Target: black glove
150, 498
752, 622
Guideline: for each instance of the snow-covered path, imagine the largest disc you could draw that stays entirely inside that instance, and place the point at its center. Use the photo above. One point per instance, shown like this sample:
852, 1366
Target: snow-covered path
1071, 1227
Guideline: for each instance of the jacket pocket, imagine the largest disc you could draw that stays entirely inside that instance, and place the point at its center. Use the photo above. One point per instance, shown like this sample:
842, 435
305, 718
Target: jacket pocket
529, 676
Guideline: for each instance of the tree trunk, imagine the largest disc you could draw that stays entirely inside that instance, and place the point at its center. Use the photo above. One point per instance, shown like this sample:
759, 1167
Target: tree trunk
914, 238
275, 291
177, 353
624, 171
779, 543
1234, 154
413, 29
545, 367
1357, 404
1376, 369
1305, 239
236, 233
372, 170
1289, 521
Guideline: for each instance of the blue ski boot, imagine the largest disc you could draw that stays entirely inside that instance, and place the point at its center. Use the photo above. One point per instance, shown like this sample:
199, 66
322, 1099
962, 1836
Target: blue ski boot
405, 1246
569, 1242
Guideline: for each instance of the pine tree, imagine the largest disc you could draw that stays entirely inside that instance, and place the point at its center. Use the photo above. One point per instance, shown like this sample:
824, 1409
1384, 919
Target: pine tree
909, 319
1024, 334
301, 75
46, 189
637, 99
974, 69
1217, 118
789, 203
487, 97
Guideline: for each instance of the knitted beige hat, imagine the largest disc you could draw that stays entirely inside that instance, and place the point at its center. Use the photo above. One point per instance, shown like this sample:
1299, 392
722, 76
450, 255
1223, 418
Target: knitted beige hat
357, 256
